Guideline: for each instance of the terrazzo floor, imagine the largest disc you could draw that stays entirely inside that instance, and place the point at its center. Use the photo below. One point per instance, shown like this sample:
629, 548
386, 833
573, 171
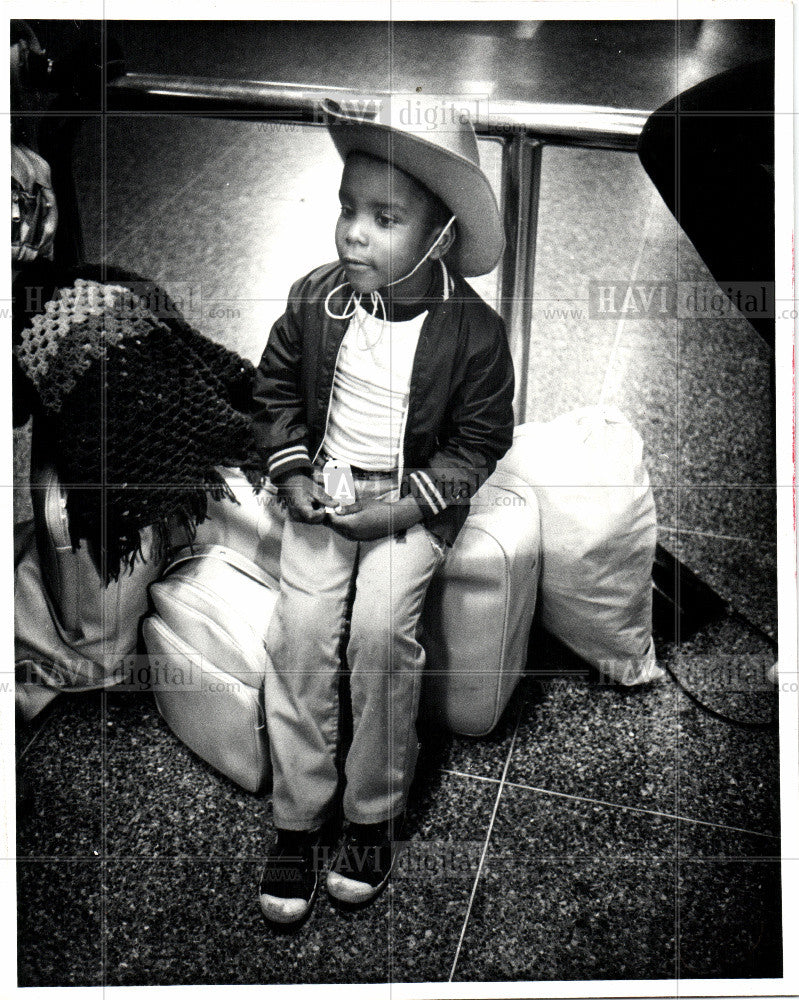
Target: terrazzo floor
597, 833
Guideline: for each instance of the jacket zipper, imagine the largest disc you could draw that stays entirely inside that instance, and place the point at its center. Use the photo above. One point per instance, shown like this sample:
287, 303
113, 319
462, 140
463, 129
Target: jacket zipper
401, 456
330, 399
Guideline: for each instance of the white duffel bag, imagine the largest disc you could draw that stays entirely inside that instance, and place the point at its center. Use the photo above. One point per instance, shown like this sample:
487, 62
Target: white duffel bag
479, 608
598, 535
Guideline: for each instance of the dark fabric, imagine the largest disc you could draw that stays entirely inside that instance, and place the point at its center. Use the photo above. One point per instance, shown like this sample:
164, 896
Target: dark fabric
460, 410
710, 153
139, 407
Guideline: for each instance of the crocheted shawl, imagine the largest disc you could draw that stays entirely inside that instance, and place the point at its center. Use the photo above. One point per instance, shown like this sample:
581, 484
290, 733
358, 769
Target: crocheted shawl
141, 408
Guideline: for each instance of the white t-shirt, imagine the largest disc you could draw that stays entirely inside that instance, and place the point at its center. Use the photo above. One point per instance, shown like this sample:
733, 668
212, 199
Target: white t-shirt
370, 391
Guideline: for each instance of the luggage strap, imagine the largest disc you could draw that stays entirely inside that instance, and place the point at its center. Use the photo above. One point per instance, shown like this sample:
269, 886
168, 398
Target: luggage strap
235, 559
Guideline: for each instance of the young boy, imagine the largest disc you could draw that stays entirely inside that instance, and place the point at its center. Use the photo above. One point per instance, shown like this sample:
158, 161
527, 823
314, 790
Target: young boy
414, 393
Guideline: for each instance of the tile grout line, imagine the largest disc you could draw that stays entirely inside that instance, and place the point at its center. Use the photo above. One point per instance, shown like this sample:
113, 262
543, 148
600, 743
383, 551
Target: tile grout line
709, 534
614, 805
44, 725
485, 847
611, 385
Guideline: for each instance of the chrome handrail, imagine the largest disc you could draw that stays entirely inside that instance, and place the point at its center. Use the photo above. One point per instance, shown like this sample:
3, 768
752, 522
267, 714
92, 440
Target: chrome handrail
523, 129
581, 125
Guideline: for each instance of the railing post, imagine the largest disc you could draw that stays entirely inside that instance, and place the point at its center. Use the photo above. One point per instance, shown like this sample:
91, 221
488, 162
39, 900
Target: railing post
521, 182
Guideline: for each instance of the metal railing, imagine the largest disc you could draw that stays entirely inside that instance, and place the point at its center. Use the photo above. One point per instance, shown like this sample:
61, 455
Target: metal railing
523, 129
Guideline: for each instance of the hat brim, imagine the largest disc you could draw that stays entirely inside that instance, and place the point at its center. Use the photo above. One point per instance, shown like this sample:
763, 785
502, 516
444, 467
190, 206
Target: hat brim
459, 183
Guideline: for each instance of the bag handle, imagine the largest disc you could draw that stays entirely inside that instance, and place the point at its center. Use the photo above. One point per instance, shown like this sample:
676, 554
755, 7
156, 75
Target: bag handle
225, 554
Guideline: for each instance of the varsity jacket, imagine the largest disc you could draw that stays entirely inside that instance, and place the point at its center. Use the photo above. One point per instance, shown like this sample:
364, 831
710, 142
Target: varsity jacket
459, 420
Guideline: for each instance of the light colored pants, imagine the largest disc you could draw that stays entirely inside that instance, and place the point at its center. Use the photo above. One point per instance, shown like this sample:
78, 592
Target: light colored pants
385, 660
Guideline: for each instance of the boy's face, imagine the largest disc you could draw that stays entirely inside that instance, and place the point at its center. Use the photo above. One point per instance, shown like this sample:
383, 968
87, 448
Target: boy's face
384, 228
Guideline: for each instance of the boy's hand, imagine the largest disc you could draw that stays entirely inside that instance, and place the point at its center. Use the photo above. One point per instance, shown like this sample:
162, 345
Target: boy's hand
304, 499
376, 519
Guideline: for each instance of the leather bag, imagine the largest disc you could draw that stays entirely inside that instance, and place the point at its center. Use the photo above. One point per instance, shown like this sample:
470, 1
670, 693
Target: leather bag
206, 642
479, 608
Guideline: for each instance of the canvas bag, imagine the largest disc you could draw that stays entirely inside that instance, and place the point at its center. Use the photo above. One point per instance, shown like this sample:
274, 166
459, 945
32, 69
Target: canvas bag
71, 632
598, 535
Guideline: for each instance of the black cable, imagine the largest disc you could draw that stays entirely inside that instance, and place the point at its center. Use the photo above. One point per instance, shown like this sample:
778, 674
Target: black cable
731, 720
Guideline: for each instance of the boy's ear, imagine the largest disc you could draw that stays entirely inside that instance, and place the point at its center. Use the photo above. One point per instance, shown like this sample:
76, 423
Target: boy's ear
444, 245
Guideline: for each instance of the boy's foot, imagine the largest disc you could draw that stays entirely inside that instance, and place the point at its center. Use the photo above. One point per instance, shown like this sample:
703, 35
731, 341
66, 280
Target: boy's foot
363, 865
291, 876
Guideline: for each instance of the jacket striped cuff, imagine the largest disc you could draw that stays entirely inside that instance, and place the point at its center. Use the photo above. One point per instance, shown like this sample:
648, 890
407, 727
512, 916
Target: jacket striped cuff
292, 459
425, 493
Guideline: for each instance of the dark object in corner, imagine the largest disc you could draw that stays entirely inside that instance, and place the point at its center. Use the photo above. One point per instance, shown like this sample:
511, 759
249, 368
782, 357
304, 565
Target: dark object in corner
681, 602
710, 154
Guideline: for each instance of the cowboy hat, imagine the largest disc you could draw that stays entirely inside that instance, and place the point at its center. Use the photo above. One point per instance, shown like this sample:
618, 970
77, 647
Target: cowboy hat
433, 141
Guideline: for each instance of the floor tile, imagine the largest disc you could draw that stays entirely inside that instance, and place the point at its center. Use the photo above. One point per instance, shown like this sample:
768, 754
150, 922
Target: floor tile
582, 737
649, 746
531, 825
430, 815
167, 802
714, 844
725, 663
572, 919
165, 917
61, 811
59, 914
742, 572
179, 921
448, 820
160, 788
730, 919
728, 775
573, 890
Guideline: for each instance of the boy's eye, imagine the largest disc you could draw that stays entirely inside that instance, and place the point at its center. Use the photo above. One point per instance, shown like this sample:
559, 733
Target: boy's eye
385, 220
346, 211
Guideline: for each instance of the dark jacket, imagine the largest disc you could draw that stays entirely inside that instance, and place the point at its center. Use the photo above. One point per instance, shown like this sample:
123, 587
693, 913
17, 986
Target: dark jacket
460, 415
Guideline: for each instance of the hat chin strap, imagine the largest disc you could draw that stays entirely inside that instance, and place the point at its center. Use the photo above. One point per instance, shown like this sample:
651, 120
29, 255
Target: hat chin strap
375, 297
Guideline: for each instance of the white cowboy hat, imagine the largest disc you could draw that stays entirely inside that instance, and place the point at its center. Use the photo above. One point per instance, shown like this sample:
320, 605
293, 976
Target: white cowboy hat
433, 141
